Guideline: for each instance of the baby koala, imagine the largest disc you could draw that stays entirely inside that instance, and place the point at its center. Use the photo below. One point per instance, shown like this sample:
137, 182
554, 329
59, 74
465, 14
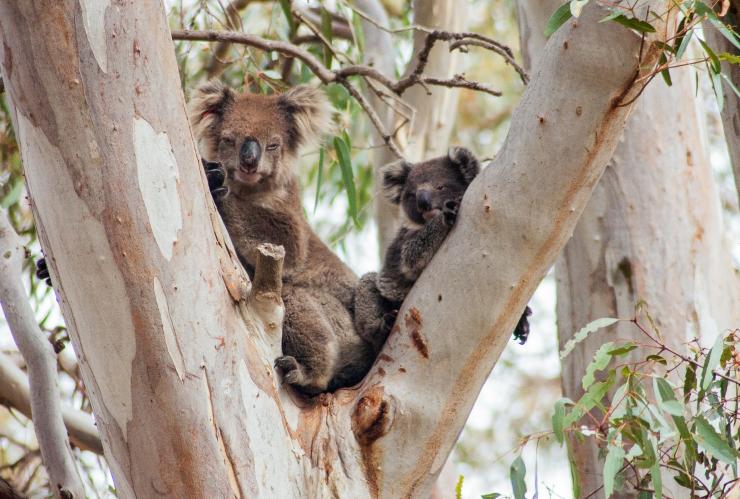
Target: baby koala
429, 194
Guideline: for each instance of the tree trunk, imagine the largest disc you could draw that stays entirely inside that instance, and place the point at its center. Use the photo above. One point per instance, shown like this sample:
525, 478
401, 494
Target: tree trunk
652, 231
731, 110
177, 363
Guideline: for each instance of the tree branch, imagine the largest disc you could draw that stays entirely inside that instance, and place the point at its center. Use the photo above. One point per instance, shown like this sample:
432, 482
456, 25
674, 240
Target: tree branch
341, 76
14, 392
39, 356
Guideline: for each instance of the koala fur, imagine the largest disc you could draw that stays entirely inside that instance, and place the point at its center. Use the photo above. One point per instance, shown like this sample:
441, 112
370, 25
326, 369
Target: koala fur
256, 139
429, 195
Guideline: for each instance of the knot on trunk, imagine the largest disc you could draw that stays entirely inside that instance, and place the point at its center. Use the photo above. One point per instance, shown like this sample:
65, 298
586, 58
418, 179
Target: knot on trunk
373, 416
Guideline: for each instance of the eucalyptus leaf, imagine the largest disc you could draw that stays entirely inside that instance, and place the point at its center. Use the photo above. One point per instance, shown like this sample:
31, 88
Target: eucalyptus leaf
583, 333
517, 473
600, 361
715, 354
712, 441
635, 24
612, 464
666, 398
557, 19
345, 165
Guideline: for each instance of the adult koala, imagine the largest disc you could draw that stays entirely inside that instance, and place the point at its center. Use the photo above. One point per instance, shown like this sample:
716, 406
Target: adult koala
251, 143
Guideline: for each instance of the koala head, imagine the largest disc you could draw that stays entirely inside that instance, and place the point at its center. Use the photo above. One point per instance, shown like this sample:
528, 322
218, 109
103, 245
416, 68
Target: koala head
257, 137
422, 189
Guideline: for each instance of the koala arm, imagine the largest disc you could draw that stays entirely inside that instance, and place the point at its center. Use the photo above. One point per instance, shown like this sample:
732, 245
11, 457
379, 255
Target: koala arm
419, 246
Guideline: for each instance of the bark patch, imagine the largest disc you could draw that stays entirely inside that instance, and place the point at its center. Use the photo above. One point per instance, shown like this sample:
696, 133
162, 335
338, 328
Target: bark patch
371, 420
413, 324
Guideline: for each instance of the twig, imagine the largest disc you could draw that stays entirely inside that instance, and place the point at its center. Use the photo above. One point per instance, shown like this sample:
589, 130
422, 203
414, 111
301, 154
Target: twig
41, 364
341, 76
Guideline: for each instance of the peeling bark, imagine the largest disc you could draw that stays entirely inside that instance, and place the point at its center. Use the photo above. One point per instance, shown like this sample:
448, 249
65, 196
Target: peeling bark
204, 415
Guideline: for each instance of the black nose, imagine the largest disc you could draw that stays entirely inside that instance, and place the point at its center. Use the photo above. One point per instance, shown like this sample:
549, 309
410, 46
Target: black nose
424, 200
249, 154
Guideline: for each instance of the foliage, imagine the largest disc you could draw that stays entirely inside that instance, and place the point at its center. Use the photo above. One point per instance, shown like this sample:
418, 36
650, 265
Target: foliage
657, 414
691, 14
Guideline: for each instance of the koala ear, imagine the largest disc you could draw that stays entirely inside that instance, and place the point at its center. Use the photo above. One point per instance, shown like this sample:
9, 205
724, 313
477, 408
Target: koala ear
309, 112
465, 161
208, 105
394, 178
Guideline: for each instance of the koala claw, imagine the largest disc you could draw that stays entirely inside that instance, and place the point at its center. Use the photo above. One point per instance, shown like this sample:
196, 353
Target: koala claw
42, 271
389, 318
449, 210
215, 176
290, 369
521, 332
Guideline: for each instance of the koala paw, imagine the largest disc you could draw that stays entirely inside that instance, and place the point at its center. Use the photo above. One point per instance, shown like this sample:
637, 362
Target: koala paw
449, 211
387, 321
290, 369
42, 271
216, 176
521, 332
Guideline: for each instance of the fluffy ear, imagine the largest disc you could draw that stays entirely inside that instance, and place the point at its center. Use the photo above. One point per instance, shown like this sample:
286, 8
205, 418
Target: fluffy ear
465, 161
309, 111
208, 105
394, 178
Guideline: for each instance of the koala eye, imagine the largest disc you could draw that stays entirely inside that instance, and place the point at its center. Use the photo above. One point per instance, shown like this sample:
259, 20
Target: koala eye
227, 141
272, 147
440, 187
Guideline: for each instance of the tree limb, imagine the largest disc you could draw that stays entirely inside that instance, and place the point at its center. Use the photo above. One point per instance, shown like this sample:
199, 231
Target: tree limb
14, 392
41, 363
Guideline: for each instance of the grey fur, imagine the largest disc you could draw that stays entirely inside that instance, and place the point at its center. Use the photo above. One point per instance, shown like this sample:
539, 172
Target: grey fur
321, 350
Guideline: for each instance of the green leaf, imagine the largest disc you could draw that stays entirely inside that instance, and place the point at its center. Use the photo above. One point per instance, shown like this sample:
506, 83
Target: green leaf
557, 19
516, 475
731, 58
319, 176
732, 85
458, 487
600, 361
635, 24
624, 349
326, 31
593, 396
342, 150
665, 73
657, 481
682, 41
492, 495
726, 32
657, 358
611, 16
666, 398
583, 333
558, 418
575, 476
715, 64
714, 443
612, 465
715, 354
357, 33
689, 382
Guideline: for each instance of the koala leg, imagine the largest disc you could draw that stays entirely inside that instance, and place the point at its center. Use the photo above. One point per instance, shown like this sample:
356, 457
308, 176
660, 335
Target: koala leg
42, 271
521, 332
374, 315
310, 347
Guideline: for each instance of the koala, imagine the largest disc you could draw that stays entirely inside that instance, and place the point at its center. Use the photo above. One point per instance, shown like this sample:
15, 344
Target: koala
429, 195
250, 143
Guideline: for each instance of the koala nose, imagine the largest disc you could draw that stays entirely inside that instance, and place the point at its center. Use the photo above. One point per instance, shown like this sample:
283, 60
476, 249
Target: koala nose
424, 200
249, 155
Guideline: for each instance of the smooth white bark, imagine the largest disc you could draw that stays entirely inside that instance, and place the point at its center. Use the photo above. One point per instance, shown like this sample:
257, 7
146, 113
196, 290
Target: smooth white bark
178, 367
41, 364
